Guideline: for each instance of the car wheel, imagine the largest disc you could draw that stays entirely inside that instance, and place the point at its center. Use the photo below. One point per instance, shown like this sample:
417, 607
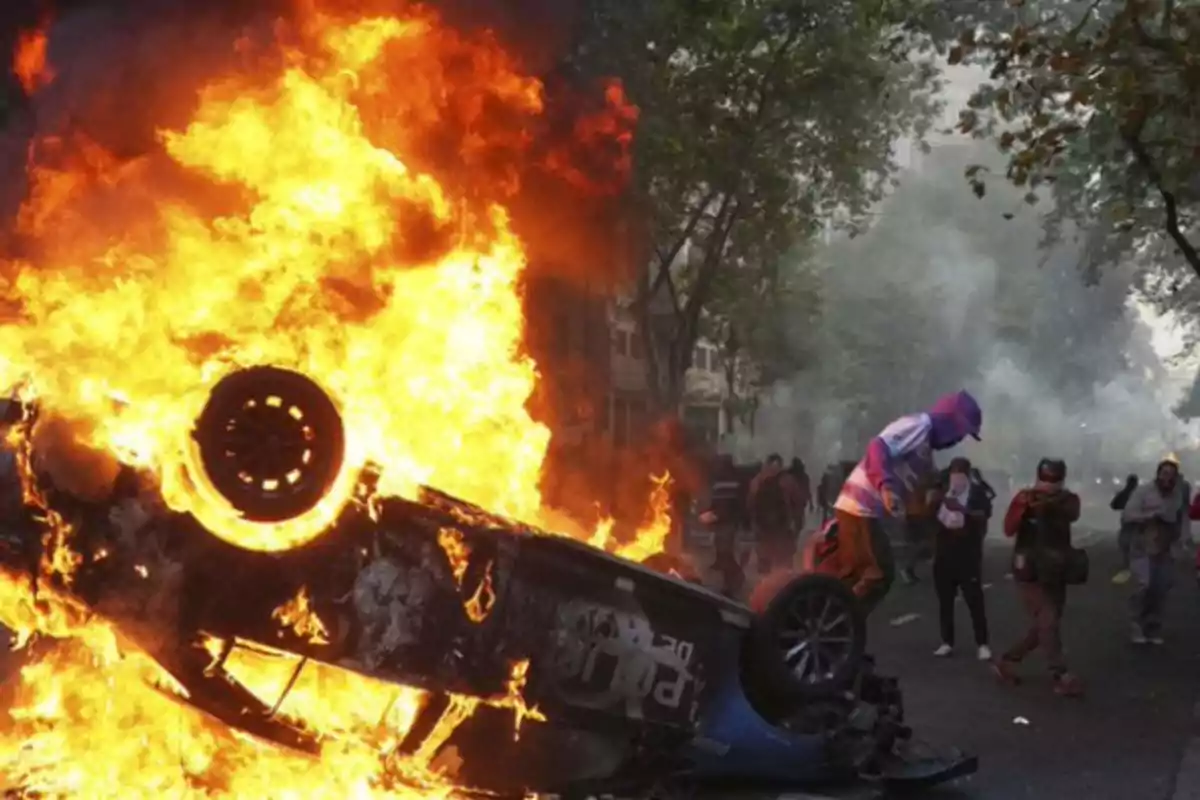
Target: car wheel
271, 442
807, 638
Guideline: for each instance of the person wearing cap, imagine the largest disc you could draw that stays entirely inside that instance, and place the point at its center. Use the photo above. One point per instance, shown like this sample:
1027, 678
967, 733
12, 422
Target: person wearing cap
1039, 520
1155, 514
898, 463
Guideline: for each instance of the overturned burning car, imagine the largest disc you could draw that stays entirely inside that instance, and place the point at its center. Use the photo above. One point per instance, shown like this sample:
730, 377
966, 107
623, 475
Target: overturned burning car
631, 679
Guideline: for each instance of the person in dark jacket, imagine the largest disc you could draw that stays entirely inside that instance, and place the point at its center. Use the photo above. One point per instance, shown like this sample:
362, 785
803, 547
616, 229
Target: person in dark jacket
803, 487
1040, 518
962, 508
725, 516
773, 503
1125, 531
978, 479
1155, 513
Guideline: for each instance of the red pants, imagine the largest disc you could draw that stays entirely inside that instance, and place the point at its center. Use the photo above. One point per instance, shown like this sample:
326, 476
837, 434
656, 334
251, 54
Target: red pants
863, 557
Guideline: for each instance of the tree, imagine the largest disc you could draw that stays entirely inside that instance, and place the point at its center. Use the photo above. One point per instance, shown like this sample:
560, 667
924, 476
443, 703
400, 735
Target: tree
1098, 101
760, 120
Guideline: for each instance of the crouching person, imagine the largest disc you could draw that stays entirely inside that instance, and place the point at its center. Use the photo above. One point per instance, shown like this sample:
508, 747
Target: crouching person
1154, 514
1039, 519
876, 493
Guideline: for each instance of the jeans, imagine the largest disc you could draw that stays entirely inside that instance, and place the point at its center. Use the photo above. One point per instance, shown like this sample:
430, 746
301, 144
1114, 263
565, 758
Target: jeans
1124, 539
948, 580
1152, 581
1044, 606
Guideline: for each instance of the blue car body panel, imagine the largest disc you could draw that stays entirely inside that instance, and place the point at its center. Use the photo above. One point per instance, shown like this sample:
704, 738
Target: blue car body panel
734, 741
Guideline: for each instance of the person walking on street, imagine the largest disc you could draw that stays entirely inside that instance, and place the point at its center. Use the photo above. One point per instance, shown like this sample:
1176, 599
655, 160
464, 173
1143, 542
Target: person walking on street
725, 516
963, 508
875, 494
1125, 531
772, 502
804, 494
1039, 519
1155, 512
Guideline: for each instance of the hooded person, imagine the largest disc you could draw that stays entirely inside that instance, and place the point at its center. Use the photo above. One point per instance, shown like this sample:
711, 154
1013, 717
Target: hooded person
898, 463
1155, 513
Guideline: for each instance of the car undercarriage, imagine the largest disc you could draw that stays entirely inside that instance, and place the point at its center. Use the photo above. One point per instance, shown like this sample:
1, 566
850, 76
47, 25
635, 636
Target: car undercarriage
589, 673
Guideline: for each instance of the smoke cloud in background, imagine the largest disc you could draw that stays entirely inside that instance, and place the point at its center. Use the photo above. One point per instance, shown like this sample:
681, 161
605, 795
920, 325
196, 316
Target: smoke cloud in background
953, 267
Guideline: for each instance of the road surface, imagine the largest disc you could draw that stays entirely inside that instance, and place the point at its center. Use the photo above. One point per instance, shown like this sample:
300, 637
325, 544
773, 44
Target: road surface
1133, 736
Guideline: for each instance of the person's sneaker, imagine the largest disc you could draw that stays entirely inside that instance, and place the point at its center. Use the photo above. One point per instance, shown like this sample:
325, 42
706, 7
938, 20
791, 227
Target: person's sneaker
1137, 635
1156, 639
1122, 577
1068, 685
1006, 671
944, 651
984, 653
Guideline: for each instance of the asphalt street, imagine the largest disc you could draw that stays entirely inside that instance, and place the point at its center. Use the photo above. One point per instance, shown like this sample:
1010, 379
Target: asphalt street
1130, 738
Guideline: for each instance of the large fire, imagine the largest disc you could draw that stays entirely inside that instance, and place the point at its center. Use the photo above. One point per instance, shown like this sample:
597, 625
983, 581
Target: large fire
282, 226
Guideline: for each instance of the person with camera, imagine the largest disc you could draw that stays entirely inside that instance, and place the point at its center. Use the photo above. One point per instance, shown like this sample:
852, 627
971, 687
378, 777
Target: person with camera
1154, 514
1039, 520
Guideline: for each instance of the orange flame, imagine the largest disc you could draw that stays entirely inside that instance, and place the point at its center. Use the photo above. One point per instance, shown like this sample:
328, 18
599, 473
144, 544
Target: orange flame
652, 536
30, 63
298, 615
457, 553
290, 223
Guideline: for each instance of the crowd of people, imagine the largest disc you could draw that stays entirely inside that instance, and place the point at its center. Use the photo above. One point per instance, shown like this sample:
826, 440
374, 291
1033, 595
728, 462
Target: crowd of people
894, 511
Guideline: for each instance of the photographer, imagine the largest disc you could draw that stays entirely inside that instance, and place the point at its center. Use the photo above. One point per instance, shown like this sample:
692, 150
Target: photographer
1039, 519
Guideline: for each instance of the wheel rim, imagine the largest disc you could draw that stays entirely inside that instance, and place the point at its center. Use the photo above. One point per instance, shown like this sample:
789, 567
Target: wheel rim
271, 442
817, 636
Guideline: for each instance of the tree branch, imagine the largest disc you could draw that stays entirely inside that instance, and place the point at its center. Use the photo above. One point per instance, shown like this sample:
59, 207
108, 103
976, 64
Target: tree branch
688, 229
1170, 204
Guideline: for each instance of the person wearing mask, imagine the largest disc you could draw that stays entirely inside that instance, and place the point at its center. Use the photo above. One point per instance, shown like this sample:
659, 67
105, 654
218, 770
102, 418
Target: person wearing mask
1155, 513
879, 488
1118, 503
962, 509
772, 502
1039, 519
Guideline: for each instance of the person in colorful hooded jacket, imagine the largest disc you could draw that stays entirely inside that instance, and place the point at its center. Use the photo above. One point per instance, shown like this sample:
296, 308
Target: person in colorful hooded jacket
898, 463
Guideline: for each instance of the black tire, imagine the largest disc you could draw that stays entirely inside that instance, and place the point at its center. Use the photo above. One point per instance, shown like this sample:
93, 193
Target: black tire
789, 608
271, 442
